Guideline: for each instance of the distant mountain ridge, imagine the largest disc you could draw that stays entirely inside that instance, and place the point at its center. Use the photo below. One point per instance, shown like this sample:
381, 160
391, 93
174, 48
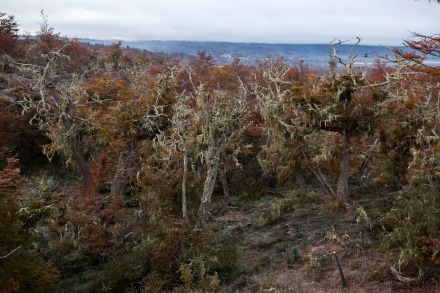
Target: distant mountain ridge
225, 52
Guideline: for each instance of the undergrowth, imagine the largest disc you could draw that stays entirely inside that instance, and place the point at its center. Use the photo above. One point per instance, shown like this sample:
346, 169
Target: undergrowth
411, 229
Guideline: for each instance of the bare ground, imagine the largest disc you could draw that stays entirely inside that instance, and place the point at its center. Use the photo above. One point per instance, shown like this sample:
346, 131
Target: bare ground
289, 245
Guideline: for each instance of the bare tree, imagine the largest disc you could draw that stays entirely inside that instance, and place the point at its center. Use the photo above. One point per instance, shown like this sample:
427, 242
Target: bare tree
55, 100
220, 116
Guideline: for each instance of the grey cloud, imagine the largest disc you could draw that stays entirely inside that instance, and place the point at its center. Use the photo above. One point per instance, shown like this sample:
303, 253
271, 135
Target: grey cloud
295, 21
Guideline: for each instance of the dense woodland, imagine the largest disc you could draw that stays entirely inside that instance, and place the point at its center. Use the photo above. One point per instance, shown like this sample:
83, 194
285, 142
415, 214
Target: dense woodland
117, 164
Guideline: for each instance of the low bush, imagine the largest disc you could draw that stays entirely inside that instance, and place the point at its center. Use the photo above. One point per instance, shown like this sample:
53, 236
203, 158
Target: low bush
411, 228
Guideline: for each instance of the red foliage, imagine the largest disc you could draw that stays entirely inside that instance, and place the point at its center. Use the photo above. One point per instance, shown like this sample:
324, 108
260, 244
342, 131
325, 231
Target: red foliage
427, 45
155, 71
378, 72
424, 48
95, 216
408, 55
10, 178
50, 41
255, 130
79, 56
8, 33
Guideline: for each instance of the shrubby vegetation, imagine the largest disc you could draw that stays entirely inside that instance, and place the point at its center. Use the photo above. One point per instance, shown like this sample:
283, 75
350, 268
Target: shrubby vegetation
146, 153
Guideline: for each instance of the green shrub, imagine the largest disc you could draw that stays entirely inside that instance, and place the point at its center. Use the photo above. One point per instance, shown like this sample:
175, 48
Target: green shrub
275, 210
411, 227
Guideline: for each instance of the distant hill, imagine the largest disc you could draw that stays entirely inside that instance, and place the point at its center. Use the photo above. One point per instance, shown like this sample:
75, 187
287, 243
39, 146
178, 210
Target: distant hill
224, 52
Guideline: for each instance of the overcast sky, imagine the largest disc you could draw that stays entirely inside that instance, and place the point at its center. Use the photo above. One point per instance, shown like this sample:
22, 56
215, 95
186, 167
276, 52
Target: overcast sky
377, 22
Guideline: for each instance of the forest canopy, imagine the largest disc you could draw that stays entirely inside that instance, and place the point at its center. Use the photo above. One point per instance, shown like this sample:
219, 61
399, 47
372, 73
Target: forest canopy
119, 166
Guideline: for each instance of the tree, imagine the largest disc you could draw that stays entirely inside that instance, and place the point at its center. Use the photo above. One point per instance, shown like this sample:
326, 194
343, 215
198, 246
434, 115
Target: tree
416, 97
8, 33
55, 100
282, 153
179, 142
221, 118
318, 119
141, 110
411, 139
344, 104
205, 129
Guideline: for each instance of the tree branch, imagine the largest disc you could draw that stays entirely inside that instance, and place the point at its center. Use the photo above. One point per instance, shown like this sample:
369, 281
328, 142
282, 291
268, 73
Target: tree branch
5, 256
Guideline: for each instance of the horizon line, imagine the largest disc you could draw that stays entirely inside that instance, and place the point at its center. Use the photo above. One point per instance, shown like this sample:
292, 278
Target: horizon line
348, 43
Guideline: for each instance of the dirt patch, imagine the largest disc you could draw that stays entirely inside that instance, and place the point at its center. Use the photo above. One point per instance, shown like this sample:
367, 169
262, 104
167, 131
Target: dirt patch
295, 251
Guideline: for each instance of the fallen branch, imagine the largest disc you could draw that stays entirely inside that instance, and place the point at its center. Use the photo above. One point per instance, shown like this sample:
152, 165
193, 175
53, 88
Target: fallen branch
320, 176
5, 256
365, 161
402, 278
341, 273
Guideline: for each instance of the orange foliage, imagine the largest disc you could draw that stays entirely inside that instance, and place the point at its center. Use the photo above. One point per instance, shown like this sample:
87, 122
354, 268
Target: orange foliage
107, 87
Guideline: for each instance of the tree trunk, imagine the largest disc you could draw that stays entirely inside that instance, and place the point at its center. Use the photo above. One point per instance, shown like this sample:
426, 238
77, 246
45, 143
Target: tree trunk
125, 163
77, 155
208, 189
226, 194
211, 176
184, 176
342, 188
301, 181
75, 147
